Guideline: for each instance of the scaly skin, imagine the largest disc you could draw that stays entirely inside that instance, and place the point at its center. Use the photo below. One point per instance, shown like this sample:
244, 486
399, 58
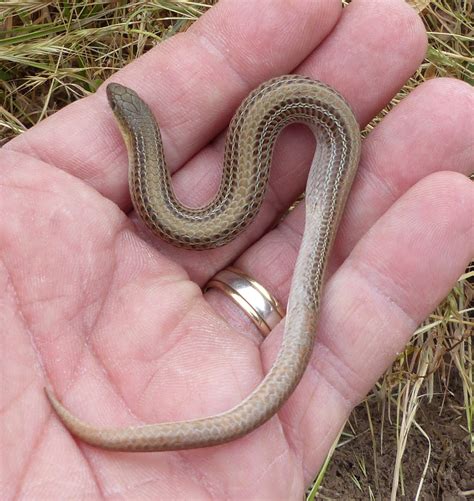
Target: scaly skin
248, 153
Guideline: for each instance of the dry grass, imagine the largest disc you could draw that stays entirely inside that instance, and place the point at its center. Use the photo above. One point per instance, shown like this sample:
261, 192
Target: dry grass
52, 53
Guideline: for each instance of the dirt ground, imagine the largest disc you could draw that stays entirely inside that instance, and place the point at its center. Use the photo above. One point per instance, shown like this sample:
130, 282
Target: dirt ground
450, 473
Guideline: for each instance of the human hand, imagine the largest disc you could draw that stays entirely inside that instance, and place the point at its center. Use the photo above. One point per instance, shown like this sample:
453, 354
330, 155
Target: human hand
121, 329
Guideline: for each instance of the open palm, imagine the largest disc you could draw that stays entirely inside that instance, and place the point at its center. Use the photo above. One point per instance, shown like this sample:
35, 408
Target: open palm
116, 320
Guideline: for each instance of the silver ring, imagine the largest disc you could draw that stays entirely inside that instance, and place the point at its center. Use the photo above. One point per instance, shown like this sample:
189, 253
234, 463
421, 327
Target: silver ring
262, 308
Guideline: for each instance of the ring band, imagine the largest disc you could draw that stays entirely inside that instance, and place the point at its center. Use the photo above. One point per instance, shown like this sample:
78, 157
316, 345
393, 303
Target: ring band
262, 308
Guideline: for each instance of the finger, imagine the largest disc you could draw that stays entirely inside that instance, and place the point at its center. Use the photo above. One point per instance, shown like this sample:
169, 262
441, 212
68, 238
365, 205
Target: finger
395, 156
393, 278
193, 82
347, 51
429, 131
297, 151
271, 260
346, 61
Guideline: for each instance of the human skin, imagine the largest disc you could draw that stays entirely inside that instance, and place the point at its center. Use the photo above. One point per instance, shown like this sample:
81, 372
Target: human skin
115, 320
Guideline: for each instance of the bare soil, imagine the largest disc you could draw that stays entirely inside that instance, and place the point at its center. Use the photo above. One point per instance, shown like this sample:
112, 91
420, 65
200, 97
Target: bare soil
356, 474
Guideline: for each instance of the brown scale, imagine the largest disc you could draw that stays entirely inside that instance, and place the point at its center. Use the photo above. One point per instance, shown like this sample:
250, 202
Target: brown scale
247, 158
